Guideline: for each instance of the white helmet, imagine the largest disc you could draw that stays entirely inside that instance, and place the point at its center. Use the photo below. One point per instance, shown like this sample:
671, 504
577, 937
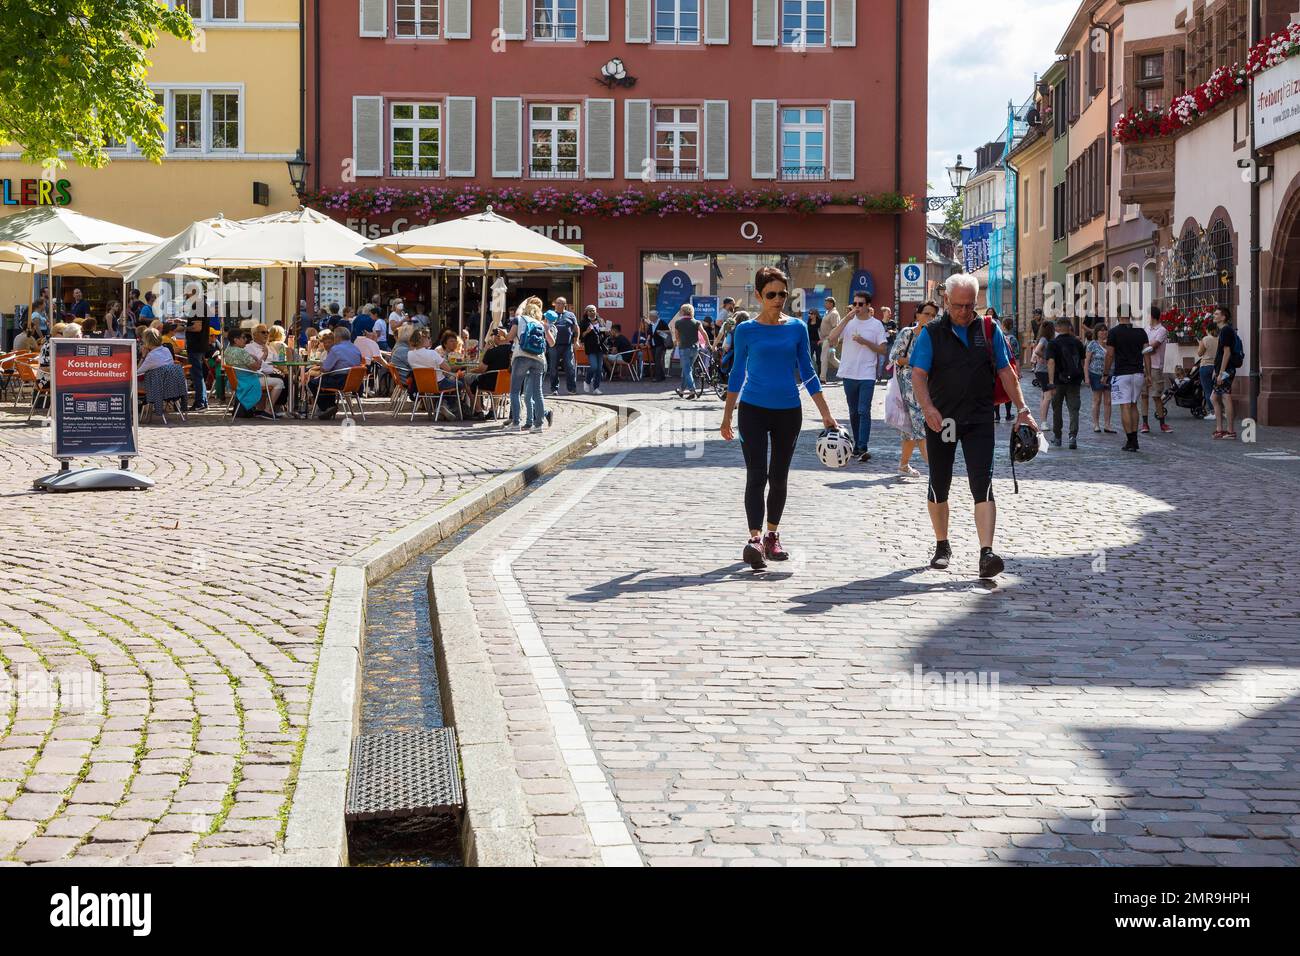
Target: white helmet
834, 448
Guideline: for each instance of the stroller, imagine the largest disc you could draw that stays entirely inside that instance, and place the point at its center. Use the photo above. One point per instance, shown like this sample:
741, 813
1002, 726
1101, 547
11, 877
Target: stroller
1186, 391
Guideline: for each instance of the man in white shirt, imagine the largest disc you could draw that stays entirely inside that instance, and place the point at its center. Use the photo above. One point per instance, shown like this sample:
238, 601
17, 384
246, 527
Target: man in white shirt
830, 322
1157, 339
368, 345
864, 341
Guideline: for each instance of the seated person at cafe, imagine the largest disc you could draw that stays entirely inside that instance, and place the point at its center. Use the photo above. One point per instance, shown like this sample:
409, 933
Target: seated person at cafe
621, 349
236, 355
401, 349
156, 352
260, 349
277, 343
171, 339
496, 358
342, 356
368, 345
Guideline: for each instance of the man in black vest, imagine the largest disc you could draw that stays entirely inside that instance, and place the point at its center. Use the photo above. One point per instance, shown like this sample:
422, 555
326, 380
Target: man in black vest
954, 368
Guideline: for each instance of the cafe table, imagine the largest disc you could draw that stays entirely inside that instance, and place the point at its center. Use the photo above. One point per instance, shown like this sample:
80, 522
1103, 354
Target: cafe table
292, 368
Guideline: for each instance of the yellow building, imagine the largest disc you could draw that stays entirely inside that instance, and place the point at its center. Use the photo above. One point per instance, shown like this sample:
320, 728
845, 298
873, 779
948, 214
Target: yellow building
233, 120
1032, 161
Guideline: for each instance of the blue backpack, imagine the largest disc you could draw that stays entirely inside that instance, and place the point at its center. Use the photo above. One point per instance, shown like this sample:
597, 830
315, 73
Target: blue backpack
533, 341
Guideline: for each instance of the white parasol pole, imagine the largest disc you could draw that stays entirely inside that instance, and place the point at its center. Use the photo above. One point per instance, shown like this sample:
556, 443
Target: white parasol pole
482, 299
460, 324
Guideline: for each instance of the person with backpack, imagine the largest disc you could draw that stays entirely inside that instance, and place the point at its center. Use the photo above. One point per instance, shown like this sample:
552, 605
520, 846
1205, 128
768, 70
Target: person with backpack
958, 362
1065, 370
1157, 340
565, 324
1128, 366
686, 339
531, 336
1230, 357
1046, 332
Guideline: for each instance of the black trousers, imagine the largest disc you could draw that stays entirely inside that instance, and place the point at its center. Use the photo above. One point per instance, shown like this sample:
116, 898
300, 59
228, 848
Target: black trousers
759, 429
976, 442
1067, 395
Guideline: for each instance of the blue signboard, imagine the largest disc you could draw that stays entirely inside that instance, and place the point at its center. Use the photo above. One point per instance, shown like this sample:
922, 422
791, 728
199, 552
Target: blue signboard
675, 290
706, 307
862, 282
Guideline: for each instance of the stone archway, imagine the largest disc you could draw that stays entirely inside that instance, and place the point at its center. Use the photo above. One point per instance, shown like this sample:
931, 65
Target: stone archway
1279, 351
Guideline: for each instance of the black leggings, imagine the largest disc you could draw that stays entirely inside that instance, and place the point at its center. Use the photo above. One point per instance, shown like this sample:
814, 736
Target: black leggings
976, 448
756, 423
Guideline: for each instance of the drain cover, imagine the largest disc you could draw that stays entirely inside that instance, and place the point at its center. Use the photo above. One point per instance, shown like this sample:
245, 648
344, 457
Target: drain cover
403, 775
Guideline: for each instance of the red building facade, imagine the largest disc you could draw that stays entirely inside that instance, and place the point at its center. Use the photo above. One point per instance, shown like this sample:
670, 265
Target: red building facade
415, 108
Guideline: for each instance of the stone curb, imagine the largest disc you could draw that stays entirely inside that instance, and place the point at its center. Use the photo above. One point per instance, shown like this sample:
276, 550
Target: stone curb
316, 835
496, 829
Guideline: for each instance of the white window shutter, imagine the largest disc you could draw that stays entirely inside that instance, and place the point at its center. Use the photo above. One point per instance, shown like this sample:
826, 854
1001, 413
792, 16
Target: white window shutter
638, 21
841, 139
717, 21
368, 135
765, 22
844, 22
458, 139
716, 165
458, 19
374, 18
599, 139
762, 150
595, 21
514, 19
507, 137
636, 137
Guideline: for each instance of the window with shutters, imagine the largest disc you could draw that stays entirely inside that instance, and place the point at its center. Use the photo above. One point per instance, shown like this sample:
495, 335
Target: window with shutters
416, 18
1151, 81
1058, 212
677, 142
553, 141
803, 143
1042, 199
677, 21
555, 20
1060, 110
415, 132
803, 23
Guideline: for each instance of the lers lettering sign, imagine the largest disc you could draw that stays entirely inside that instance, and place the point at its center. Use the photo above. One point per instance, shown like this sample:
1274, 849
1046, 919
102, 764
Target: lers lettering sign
36, 192
1277, 102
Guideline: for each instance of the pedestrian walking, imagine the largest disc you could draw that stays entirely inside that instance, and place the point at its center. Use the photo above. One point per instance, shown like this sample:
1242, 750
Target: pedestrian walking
1046, 332
1013, 346
661, 337
593, 343
1157, 339
1096, 353
560, 355
1128, 366
1205, 354
955, 372
864, 343
900, 356
772, 360
1228, 358
814, 336
531, 336
1066, 360
829, 364
686, 339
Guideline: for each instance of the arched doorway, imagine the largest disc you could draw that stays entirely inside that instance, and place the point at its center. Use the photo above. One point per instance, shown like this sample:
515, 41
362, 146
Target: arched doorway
1279, 347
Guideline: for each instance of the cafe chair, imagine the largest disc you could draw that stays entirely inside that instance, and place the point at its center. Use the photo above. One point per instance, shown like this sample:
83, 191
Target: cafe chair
163, 386
399, 395
232, 377
427, 389
349, 393
500, 395
624, 362
27, 375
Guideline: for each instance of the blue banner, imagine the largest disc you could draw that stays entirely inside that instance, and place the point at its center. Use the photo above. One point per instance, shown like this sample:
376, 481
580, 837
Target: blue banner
675, 290
706, 307
862, 282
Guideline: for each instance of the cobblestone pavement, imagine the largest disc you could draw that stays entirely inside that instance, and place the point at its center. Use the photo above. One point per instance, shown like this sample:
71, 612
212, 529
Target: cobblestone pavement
182, 623
1127, 694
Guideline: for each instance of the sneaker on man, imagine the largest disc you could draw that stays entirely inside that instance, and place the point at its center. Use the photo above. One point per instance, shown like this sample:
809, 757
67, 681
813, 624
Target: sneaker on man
1074, 445
753, 554
550, 418
864, 457
942, 555
1145, 429
597, 392
586, 388
1165, 428
990, 565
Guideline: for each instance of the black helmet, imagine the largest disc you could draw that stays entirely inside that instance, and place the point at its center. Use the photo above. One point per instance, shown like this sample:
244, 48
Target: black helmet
1024, 443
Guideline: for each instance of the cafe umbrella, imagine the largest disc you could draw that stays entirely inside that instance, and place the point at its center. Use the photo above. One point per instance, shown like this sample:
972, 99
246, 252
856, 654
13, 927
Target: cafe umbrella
485, 238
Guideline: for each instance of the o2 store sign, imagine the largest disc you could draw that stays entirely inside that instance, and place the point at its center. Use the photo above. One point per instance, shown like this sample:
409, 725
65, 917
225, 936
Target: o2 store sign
36, 192
561, 231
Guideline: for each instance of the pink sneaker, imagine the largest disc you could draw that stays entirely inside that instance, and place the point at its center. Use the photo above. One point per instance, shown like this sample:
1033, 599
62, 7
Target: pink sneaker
772, 549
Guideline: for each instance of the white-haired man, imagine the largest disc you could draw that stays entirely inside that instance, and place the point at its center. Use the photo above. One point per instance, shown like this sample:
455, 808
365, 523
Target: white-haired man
956, 361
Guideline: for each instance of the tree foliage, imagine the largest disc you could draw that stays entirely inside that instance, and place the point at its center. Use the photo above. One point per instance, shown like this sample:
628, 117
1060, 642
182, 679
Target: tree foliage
952, 218
74, 75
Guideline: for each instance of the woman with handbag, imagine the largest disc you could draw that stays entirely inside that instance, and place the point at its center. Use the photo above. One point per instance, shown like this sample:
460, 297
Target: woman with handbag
911, 425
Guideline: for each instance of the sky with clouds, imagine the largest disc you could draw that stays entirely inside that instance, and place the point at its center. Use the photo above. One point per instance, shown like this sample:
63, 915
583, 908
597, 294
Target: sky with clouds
982, 55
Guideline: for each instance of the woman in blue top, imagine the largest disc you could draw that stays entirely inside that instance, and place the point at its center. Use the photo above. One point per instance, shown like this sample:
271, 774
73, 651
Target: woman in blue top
772, 359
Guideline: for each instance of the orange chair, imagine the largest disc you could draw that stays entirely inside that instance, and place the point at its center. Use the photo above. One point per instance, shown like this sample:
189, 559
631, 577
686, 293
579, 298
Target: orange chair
27, 375
232, 377
428, 388
400, 386
501, 394
349, 392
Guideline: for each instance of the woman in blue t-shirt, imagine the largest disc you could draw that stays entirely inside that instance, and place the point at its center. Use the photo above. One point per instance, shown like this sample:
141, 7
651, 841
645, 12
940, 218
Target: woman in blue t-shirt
772, 359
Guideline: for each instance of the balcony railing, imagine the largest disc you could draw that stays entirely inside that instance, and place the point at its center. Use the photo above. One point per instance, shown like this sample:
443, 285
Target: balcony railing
547, 171
802, 173
684, 174
404, 171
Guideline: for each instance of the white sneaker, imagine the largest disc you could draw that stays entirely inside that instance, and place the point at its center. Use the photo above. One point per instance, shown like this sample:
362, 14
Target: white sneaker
586, 387
597, 392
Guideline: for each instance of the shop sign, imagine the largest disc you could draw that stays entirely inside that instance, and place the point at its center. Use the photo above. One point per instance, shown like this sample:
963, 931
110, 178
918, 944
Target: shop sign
706, 307
92, 397
911, 282
559, 231
862, 282
1277, 102
36, 192
675, 290
609, 290
373, 230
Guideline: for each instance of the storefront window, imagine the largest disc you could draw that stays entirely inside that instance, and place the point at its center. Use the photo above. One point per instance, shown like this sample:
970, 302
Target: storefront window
816, 275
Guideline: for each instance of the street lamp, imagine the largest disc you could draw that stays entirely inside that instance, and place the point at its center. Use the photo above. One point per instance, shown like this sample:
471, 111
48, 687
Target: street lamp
958, 173
298, 172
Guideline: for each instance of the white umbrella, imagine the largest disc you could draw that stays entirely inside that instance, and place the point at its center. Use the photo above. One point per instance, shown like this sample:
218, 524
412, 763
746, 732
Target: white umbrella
164, 258
51, 229
484, 237
88, 262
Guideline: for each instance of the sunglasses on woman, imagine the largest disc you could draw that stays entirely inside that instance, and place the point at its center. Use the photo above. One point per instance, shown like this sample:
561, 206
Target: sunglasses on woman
776, 295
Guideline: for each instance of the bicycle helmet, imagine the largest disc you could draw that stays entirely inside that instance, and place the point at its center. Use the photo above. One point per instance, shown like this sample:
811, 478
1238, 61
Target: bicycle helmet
834, 448
1024, 447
